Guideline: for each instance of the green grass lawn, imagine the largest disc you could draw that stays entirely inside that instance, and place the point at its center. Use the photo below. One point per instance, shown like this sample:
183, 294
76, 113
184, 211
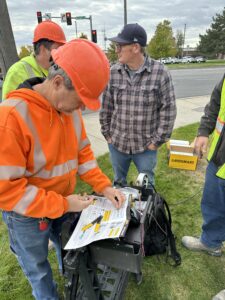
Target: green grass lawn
199, 277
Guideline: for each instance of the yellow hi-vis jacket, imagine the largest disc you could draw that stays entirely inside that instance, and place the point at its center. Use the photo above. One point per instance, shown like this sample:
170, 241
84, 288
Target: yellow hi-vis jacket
41, 152
217, 137
22, 70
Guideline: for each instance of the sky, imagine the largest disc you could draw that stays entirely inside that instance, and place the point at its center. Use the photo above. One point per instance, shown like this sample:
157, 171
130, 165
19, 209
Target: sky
108, 17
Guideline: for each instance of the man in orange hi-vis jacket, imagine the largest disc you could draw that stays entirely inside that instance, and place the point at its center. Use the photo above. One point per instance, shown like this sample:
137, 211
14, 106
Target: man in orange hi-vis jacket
43, 146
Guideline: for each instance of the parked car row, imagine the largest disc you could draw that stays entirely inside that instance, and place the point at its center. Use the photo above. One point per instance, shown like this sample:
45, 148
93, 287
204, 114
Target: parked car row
200, 59
170, 60
185, 59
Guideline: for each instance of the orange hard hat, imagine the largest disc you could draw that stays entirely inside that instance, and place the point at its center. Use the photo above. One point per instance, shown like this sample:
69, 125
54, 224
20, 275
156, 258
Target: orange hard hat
87, 67
49, 30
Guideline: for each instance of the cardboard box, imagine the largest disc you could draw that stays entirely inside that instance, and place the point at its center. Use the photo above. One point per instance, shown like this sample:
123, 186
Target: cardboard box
181, 155
186, 149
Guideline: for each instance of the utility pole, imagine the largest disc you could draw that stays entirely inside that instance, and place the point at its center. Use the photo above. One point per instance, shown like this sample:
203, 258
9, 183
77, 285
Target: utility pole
125, 12
105, 38
8, 52
90, 18
75, 22
184, 40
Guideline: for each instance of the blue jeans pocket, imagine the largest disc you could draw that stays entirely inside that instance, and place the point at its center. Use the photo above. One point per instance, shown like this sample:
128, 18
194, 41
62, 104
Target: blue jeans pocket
30, 245
18, 222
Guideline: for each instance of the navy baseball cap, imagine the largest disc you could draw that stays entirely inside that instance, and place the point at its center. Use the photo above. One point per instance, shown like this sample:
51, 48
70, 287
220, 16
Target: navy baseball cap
131, 33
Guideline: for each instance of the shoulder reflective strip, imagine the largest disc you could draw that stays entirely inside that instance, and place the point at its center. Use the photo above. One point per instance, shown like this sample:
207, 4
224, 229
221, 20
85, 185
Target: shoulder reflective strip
29, 69
77, 125
11, 172
11, 103
87, 167
26, 200
58, 170
84, 143
220, 120
22, 109
219, 125
39, 158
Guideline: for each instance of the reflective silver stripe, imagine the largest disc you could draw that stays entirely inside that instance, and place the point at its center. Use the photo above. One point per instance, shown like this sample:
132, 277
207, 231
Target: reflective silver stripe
58, 170
29, 69
11, 172
26, 200
11, 103
73, 164
78, 129
77, 126
21, 107
219, 126
39, 157
84, 143
87, 167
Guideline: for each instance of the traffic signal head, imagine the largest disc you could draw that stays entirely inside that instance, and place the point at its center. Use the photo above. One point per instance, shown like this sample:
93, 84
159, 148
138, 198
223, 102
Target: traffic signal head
39, 16
68, 18
94, 36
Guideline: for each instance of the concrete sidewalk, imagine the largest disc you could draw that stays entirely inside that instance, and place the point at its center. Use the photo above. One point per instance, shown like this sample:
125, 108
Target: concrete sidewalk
189, 110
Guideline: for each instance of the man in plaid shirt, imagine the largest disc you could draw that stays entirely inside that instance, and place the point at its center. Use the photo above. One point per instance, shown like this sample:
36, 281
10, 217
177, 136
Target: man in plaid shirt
138, 109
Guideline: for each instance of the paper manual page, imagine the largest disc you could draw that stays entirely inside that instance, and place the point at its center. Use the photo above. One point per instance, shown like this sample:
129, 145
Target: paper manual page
100, 220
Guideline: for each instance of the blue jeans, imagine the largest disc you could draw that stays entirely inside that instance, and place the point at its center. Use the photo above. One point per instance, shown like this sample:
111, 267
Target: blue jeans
145, 162
213, 208
30, 245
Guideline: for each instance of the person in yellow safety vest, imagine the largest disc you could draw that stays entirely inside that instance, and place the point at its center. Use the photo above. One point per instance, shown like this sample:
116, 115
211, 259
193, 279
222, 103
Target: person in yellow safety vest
43, 147
47, 36
213, 199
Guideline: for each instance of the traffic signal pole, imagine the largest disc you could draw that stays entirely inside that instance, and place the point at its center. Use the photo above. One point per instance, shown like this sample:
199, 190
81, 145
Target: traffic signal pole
75, 22
85, 18
68, 20
125, 12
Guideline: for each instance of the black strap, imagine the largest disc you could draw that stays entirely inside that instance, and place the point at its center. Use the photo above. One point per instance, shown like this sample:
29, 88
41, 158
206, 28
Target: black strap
173, 250
166, 215
167, 210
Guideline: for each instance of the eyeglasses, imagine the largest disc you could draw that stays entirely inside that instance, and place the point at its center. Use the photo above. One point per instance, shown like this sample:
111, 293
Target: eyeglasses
120, 46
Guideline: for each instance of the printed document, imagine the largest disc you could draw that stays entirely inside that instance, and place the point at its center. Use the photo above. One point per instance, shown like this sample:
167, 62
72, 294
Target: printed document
100, 220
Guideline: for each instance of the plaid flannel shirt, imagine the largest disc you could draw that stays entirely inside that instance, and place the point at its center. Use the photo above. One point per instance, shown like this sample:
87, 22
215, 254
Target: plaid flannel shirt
138, 112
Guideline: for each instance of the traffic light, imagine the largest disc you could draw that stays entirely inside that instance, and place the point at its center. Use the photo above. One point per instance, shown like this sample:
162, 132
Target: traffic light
39, 16
94, 36
68, 18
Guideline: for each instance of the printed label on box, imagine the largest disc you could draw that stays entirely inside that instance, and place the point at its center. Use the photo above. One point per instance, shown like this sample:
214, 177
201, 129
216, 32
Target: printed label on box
183, 162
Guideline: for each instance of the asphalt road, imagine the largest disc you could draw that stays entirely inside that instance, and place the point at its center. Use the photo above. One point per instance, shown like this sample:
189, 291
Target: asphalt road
196, 82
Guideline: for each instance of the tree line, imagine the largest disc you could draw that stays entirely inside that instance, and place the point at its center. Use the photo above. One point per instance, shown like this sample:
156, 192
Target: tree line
165, 44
